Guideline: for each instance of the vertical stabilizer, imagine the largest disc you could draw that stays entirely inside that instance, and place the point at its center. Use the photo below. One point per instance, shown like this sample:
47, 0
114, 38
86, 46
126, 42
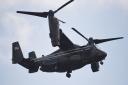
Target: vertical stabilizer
18, 58
17, 55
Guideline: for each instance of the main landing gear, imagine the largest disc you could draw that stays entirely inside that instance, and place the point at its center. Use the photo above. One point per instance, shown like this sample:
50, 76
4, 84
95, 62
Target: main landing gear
68, 74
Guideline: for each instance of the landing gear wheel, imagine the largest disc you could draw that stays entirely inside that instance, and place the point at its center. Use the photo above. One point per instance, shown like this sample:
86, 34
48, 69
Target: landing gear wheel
68, 75
101, 62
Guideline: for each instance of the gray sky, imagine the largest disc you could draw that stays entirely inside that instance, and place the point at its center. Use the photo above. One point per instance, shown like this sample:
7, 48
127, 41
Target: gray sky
93, 18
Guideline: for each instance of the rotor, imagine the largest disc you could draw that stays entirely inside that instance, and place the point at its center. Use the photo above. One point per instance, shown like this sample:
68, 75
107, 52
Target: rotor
96, 41
45, 14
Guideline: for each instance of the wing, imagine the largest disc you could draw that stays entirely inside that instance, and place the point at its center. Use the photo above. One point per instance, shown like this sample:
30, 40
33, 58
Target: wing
65, 43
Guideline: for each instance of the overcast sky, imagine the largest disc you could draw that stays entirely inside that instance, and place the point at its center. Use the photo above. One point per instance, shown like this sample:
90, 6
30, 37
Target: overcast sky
93, 18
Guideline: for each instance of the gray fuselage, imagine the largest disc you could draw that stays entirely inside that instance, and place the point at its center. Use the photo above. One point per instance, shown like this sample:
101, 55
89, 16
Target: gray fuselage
63, 61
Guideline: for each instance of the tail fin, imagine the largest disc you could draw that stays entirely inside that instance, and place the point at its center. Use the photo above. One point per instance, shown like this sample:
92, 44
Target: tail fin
18, 58
17, 55
32, 55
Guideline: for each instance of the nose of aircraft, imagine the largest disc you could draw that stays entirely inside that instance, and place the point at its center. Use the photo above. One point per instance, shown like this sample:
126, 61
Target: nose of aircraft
102, 54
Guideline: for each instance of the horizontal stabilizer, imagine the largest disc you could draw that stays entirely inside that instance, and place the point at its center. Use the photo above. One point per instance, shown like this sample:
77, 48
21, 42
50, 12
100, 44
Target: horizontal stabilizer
18, 58
39, 14
30, 65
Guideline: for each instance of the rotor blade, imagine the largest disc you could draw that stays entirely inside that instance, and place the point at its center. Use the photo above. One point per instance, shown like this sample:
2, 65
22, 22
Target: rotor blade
98, 41
39, 14
63, 6
80, 34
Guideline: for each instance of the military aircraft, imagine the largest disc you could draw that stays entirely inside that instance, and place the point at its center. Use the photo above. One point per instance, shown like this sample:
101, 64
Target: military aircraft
53, 22
67, 58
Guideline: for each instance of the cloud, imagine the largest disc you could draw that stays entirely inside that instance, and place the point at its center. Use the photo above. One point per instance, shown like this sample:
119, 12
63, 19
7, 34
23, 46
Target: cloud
123, 4
17, 26
13, 28
101, 4
48, 4
32, 2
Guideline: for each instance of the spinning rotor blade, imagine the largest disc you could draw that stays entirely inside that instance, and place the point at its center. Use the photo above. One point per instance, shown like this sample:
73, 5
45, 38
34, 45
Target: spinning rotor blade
39, 14
98, 41
63, 6
80, 34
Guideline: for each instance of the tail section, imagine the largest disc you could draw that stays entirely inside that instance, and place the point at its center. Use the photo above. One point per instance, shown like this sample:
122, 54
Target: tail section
32, 55
18, 58
17, 55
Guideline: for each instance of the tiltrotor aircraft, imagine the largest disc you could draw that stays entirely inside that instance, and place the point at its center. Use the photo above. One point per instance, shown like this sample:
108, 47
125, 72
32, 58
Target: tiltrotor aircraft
53, 22
67, 58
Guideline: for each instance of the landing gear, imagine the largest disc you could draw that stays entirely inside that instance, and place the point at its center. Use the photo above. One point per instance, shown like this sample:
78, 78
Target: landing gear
68, 74
101, 62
